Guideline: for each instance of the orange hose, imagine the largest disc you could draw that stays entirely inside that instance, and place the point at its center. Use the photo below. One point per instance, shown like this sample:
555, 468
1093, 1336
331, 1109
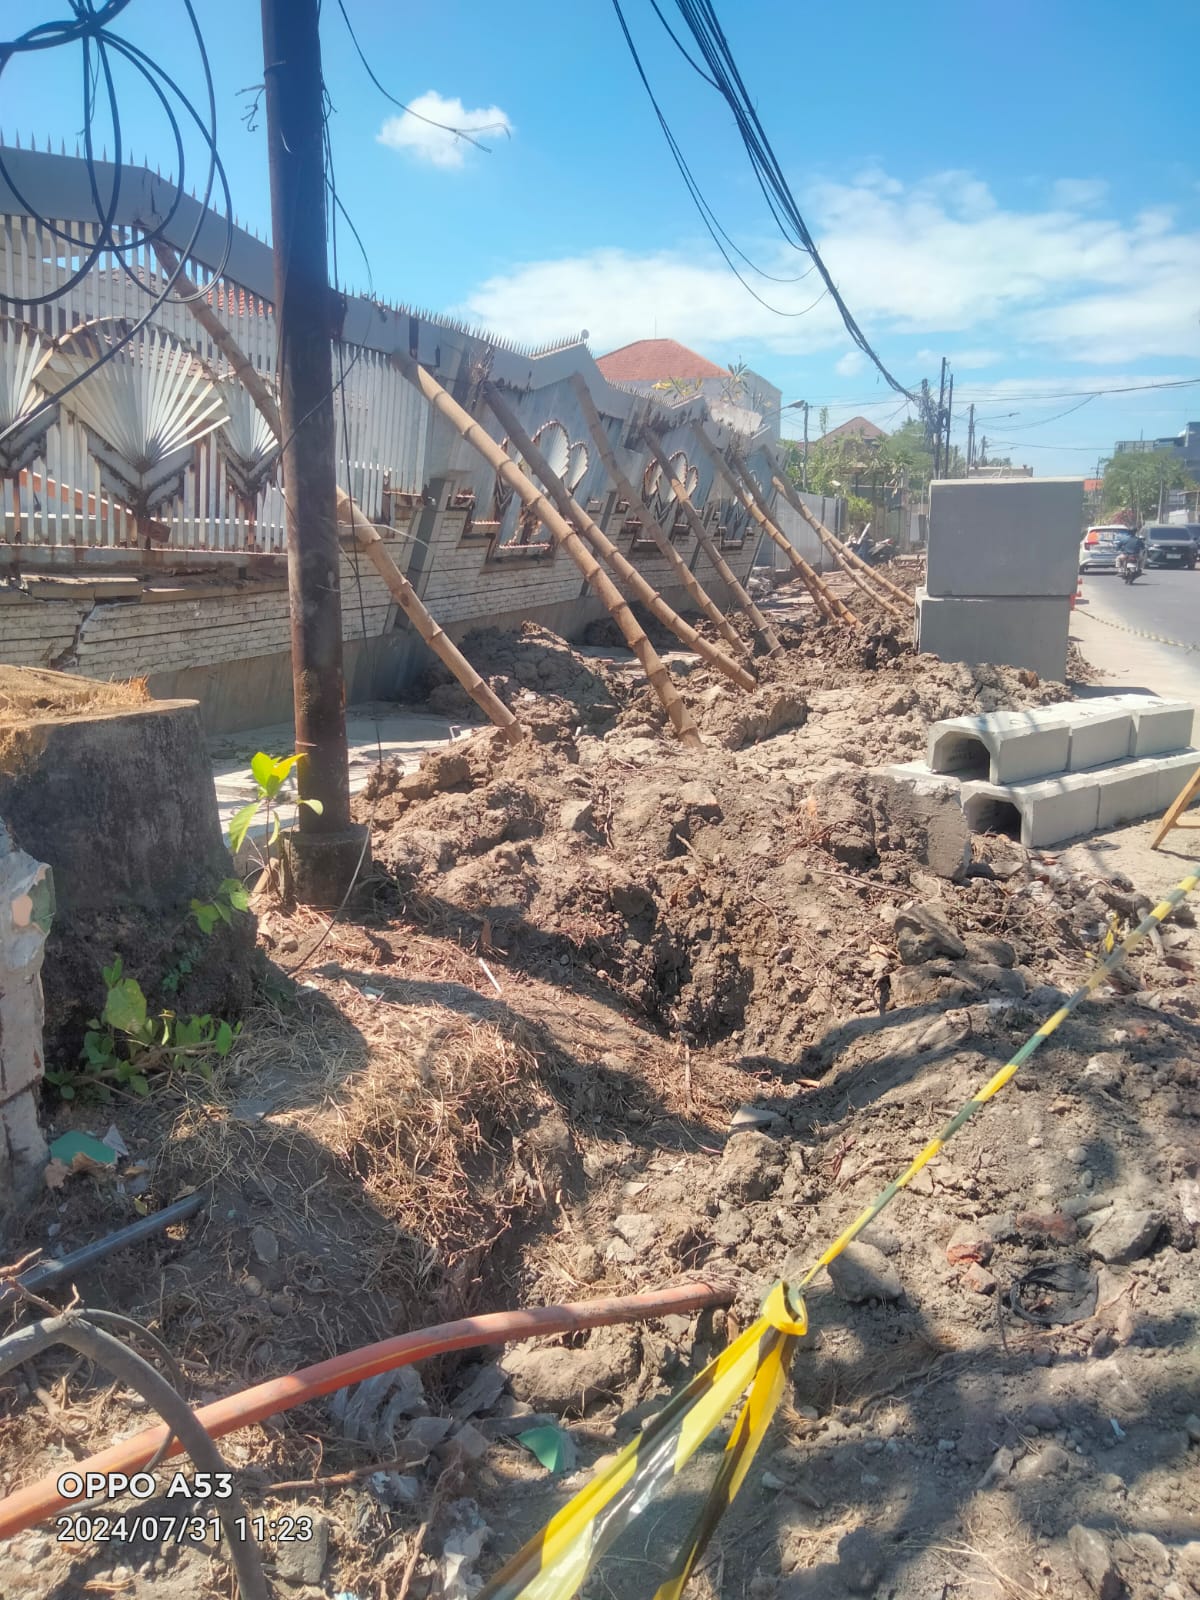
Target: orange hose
33, 1504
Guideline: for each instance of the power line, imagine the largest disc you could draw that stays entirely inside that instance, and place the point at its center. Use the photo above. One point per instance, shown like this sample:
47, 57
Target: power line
90, 31
705, 27
716, 232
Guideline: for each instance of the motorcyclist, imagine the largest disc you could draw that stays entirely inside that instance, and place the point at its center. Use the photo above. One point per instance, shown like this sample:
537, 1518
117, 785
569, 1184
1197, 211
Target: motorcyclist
1131, 548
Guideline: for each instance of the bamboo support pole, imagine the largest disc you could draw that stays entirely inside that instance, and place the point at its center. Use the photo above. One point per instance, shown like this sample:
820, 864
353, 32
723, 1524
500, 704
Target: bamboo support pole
767, 636
358, 529
564, 535
834, 545
621, 483
820, 594
877, 595
608, 552
828, 603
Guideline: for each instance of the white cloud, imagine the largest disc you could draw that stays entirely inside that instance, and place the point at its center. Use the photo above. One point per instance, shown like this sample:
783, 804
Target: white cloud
940, 257
961, 360
415, 131
1077, 194
852, 363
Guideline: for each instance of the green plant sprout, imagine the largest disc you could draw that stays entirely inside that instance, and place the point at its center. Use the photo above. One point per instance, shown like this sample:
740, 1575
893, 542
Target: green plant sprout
270, 775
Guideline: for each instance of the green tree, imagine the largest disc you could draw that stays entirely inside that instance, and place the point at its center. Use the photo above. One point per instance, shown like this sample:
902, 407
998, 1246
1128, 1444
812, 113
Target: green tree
1137, 480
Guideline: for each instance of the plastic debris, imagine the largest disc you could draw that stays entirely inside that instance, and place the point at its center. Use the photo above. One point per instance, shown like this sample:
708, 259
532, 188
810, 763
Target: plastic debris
552, 1446
81, 1152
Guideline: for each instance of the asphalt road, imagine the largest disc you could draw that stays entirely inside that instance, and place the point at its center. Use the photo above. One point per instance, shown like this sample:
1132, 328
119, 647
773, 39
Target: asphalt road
1165, 603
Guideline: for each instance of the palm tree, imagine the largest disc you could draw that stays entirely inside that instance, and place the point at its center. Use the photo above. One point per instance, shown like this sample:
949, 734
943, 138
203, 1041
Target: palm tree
22, 426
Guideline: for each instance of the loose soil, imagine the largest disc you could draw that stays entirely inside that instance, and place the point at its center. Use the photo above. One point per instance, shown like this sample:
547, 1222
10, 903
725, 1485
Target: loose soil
613, 1015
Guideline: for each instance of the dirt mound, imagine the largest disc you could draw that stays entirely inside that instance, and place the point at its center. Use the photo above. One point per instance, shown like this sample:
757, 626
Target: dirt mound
539, 676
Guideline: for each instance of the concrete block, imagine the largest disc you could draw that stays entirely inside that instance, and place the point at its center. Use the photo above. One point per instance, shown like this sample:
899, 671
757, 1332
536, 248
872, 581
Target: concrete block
1100, 738
1161, 727
1130, 792
1016, 537
1173, 772
1039, 814
1004, 747
1021, 632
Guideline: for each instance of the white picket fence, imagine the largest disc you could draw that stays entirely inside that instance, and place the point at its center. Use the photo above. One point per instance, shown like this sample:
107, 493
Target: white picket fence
382, 423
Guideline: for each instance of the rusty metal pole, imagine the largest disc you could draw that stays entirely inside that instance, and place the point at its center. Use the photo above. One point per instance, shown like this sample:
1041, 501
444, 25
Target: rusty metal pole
326, 849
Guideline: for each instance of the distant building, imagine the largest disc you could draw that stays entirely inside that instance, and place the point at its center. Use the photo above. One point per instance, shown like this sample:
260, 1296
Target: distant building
991, 471
856, 428
1184, 447
664, 369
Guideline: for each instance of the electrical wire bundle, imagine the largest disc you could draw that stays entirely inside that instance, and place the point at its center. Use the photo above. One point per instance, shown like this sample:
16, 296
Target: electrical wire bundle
88, 26
722, 74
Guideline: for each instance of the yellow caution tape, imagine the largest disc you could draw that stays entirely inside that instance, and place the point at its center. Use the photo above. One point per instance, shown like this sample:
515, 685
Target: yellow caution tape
554, 1565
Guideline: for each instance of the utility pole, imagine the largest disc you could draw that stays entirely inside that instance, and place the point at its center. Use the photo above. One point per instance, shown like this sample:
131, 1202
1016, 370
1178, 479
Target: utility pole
804, 467
941, 416
326, 849
949, 414
970, 437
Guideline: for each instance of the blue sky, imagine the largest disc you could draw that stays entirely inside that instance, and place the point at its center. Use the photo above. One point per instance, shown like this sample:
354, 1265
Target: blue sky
1002, 185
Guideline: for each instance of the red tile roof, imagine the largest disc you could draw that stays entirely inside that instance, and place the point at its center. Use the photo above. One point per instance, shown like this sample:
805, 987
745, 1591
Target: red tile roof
856, 428
651, 360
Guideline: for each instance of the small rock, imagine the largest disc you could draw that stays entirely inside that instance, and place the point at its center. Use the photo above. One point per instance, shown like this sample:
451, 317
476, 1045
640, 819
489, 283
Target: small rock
968, 1244
428, 1432
978, 1279
576, 816
1042, 1417
1048, 1462
266, 1245
1104, 1072
753, 1117
751, 1166
1127, 1235
557, 1380
860, 1561
37, 1549
731, 1228
922, 933
394, 1489
638, 1229
1151, 1550
699, 799
1000, 1468
1112, 1483
1040, 1225
468, 1444
863, 1273
1095, 1563
304, 1560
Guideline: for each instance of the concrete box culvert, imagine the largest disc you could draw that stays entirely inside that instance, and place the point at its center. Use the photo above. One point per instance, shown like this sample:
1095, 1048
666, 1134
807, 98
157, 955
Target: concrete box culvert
1051, 811
1003, 748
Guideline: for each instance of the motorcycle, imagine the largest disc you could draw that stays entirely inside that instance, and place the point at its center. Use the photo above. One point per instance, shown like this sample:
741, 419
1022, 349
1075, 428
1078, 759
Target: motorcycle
1129, 567
874, 554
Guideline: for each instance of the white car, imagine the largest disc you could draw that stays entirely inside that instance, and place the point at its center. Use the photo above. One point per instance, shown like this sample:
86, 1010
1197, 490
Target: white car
1099, 548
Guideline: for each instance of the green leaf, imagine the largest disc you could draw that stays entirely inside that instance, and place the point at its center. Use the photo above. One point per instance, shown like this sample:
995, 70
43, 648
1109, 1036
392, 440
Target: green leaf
314, 805
205, 913
140, 1084
239, 898
125, 1008
239, 825
261, 769
281, 768
223, 912
223, 1043
112, 975
67, 1091
274, 829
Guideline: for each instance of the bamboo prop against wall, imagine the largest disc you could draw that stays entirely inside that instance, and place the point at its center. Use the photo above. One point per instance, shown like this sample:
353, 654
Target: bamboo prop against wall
622, 485
833, 544
603, 546
564, 535
828, 603
822, 598
767, 636
358, 529
879, 596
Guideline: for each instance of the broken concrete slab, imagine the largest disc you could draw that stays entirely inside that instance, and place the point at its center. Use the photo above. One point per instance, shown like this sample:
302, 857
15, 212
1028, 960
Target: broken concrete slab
926, 809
